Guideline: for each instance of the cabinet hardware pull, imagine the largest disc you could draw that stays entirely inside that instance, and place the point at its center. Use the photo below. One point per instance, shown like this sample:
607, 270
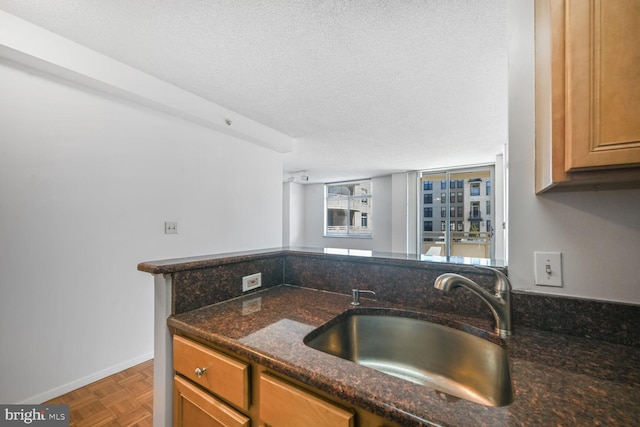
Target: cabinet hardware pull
200, 372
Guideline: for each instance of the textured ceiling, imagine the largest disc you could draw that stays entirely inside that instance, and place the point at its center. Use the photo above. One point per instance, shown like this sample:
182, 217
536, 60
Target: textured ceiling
366, 88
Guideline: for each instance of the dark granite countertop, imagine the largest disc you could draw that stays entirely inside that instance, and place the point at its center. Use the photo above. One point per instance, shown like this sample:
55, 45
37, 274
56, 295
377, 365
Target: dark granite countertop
203, 261
559, 380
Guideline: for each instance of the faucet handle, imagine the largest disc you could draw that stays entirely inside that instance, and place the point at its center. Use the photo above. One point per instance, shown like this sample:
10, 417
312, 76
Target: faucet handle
356, 295
502, 283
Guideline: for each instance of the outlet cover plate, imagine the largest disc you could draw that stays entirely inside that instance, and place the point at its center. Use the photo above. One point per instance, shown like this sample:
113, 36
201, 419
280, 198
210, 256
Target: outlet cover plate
171, 227
251, 282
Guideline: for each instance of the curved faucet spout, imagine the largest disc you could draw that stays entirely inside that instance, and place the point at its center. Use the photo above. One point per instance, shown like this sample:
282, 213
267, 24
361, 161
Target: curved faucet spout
499, 303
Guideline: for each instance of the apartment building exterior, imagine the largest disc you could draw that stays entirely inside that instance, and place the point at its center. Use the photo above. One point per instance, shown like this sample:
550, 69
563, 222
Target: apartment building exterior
457, 214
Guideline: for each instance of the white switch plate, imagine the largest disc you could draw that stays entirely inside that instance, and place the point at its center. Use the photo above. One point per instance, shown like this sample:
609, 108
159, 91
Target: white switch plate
251, 282
170, 227
548, 268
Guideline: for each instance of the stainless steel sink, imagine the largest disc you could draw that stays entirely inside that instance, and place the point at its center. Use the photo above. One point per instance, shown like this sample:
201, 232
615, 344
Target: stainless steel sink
446, 359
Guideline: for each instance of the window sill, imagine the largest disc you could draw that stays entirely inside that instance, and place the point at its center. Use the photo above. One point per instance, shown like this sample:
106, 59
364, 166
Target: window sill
349, 236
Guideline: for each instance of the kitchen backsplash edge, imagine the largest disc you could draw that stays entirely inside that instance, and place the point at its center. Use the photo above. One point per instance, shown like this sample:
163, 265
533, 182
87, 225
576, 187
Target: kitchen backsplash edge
406, 282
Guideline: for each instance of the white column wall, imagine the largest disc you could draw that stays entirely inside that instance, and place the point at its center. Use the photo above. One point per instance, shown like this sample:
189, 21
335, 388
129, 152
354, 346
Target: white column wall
293, 214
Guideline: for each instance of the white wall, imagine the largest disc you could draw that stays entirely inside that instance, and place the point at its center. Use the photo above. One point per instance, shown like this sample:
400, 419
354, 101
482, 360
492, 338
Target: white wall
597, 232
86, 183
292, 214
381, 219
401, 209
500, 214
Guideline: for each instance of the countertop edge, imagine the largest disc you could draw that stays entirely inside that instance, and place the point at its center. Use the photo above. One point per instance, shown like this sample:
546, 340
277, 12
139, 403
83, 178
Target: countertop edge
167, 266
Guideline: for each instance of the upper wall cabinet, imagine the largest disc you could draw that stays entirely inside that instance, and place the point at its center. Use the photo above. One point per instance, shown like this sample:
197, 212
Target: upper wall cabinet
587, 94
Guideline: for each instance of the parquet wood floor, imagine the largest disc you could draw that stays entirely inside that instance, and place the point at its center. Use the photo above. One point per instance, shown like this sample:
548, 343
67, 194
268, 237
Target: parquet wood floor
121, 400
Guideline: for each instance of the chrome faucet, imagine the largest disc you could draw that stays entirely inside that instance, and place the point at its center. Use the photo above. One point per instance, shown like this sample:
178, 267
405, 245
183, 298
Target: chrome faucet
499, 302
356, 295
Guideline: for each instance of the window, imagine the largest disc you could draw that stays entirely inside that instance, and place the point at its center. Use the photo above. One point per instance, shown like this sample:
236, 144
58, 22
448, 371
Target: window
475, 211
348, 209
465, 225
474, 188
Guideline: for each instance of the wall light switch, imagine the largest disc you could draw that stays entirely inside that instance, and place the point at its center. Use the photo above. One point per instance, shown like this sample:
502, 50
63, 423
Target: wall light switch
548, 268
170, 227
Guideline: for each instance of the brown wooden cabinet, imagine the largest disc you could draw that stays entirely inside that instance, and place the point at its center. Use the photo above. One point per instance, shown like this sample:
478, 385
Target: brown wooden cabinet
204, 377
192, 406
587, 93
222, 375
285, 405
215, 389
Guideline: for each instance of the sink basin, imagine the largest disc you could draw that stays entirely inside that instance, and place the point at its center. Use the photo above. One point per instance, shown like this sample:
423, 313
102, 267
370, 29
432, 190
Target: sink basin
397, 343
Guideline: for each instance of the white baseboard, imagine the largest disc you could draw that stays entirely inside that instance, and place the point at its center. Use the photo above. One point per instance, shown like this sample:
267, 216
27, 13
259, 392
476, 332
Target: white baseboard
81, 382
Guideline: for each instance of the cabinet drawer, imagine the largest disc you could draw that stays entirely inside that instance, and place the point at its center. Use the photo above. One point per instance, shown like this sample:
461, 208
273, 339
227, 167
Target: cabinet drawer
285, 405
195, 407
219, 373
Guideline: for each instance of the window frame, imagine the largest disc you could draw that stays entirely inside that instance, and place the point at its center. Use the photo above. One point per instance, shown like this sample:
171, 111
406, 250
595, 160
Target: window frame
365, 217
474, 189
466, 229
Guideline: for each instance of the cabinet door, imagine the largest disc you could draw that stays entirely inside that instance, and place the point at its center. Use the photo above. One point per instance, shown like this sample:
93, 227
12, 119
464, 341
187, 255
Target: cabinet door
221, 374
194, 407
284, 405
602, 83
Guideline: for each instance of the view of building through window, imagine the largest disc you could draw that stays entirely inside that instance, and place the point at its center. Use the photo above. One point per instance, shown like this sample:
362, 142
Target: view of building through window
349, 209
456, 213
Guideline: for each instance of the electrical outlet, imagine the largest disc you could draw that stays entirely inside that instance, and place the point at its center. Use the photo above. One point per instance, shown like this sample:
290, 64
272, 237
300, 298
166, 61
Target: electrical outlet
548, 268
170, 227
251, 282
